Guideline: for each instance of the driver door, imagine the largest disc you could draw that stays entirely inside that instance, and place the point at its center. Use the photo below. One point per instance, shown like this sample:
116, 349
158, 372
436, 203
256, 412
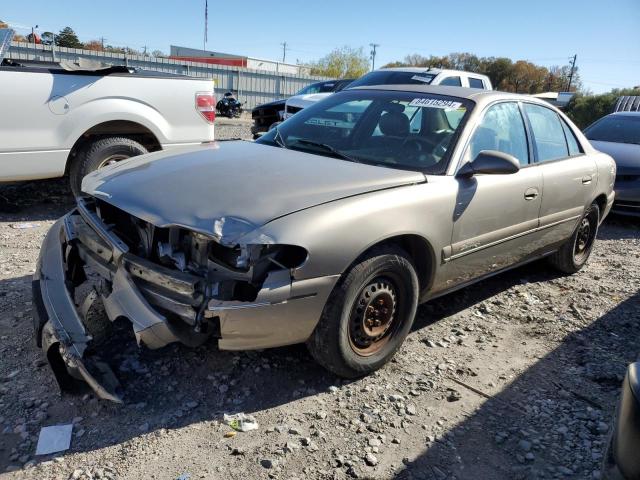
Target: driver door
495, 214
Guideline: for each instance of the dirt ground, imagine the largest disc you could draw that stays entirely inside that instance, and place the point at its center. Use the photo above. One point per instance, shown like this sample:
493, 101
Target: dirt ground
514, 377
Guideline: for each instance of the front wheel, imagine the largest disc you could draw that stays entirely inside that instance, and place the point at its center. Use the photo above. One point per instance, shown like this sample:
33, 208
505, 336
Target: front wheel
575, 252
368, 314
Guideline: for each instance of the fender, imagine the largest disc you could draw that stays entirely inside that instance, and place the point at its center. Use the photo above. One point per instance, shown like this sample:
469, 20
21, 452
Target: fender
112, 109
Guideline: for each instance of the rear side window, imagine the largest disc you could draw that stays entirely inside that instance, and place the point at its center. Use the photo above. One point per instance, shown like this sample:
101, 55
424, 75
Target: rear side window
476, 83
501, 129
451, 82
548, 133
572, 142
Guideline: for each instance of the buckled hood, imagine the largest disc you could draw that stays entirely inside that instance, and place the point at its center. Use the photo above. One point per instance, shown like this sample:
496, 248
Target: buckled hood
239, 184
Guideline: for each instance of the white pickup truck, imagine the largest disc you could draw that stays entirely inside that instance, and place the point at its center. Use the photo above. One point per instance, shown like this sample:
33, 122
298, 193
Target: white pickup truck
74, 120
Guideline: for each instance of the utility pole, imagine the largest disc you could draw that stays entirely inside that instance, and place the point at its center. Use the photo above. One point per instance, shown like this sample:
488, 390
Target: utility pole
573, 67
373, 54
284, 51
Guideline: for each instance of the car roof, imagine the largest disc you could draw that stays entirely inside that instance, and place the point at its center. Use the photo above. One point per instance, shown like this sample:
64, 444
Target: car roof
410, 69
477, 95
433, 70
626, 114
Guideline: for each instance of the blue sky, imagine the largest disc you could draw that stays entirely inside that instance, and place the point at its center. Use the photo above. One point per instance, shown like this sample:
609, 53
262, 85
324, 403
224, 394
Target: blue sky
604, 34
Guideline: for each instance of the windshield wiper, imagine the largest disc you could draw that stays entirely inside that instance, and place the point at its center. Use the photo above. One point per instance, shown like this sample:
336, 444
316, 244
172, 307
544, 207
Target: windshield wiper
278, 139
328, 148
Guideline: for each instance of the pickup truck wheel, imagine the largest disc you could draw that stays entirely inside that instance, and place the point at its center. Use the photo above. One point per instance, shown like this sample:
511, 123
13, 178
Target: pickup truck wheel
575, 252
100, 153
368, 314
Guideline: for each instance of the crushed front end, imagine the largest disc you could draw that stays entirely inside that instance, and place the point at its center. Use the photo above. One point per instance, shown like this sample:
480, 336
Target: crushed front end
172, 284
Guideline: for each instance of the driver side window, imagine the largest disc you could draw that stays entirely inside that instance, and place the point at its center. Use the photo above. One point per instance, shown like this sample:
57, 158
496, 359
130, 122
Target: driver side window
502, 129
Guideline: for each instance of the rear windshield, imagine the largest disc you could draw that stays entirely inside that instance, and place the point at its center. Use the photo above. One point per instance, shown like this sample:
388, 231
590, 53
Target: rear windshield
404, 130
616, 128
393, 77
320, 87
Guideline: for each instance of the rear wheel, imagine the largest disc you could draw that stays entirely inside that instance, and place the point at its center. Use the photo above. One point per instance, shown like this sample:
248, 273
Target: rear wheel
572, 256
100, 153
368, 314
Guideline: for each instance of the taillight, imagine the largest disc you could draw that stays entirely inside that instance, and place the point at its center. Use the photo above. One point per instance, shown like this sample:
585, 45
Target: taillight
206, 105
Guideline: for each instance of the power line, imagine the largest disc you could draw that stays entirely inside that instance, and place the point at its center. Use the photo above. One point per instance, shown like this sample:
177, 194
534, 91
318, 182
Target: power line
373, 54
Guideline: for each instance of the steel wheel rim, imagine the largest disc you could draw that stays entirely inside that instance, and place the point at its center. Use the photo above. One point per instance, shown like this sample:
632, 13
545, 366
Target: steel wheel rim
374, 317
111, 159
584, 239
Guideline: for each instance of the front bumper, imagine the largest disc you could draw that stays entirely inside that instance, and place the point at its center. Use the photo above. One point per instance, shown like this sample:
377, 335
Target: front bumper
627, 196
160, 303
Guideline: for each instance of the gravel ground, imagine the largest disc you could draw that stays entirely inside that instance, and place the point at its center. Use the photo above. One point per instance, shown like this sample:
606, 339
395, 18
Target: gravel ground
515, 377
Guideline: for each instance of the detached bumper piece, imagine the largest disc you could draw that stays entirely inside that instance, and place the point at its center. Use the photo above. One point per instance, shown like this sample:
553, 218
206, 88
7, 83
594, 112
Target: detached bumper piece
82, 260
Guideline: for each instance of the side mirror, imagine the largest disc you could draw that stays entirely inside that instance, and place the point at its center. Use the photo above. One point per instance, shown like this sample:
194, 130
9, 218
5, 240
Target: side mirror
490, 162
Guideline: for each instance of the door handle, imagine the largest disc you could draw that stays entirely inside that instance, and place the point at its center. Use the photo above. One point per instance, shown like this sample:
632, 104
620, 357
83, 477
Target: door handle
586, 180
531, 193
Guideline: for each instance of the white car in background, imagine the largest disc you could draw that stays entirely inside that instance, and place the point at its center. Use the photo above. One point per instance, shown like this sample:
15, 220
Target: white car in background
398, 76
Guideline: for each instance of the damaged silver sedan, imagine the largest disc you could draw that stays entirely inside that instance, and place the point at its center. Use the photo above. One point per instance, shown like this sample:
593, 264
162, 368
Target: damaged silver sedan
329, 230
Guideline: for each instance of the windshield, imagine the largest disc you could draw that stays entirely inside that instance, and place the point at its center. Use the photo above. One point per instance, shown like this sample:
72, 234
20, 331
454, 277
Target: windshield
616, 128
393, 77
405, 130
320, 87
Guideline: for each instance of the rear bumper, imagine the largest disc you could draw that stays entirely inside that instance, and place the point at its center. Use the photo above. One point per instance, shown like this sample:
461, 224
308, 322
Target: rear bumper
160, 303
623, 460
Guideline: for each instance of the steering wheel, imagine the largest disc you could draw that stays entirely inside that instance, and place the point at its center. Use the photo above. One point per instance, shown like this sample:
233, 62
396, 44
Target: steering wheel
419, 144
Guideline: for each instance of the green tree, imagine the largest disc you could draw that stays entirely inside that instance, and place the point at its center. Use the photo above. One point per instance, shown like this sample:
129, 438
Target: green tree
345, 62
586, 109
497, 69
68, 38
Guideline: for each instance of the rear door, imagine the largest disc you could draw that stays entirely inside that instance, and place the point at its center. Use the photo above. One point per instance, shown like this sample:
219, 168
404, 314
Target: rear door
495, 214
569, 176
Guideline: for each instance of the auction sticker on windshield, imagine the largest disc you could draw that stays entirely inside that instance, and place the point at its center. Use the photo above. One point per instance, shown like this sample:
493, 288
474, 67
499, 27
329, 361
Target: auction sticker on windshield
434, 103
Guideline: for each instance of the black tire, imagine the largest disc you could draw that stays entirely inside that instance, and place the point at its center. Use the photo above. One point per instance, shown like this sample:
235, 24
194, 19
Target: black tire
386, 275
95, 154
574, 253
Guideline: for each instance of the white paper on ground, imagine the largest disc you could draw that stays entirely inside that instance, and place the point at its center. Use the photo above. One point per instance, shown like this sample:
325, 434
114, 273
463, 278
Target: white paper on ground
54, 439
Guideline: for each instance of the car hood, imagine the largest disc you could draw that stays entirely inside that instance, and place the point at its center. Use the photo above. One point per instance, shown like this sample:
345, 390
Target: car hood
626, 155
227, 189
277, 104
308, 99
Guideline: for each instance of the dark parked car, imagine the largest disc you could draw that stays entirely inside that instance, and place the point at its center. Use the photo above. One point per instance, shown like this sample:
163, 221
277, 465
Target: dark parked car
618, 135
622, 458
267, 114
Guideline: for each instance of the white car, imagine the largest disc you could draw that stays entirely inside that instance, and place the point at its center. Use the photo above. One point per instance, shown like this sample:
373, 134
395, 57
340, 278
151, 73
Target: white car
398, 76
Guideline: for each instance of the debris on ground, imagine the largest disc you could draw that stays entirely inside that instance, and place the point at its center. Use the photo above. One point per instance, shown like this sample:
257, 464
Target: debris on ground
241, 422
24, 226
53, 439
